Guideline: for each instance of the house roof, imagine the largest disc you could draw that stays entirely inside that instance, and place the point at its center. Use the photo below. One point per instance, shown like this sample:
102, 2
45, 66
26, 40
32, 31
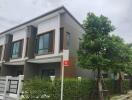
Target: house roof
43, 15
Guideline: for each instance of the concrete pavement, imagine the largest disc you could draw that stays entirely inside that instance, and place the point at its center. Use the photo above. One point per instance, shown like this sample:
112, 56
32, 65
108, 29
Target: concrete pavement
127, 96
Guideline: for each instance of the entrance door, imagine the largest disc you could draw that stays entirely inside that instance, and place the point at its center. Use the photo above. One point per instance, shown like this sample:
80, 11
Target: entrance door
19, 72
48, 72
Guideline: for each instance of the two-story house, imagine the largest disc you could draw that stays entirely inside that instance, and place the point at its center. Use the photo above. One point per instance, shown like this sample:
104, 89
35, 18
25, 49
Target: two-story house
36, 47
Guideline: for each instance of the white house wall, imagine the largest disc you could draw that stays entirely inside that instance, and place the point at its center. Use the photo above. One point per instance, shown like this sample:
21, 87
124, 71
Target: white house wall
20, 35
2, 42
48, 25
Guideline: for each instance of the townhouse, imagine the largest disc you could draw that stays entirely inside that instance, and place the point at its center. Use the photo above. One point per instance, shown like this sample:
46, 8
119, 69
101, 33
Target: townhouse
35, 48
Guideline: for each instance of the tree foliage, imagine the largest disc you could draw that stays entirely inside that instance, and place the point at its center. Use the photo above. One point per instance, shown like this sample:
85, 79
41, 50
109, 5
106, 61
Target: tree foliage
102, 52
119, 54
94, 42
99, 48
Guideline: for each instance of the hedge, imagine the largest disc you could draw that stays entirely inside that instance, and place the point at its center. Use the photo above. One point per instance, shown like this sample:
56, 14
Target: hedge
43, 89
113, 87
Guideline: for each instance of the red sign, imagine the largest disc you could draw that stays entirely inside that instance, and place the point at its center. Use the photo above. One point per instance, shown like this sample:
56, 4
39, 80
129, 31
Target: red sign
66, 63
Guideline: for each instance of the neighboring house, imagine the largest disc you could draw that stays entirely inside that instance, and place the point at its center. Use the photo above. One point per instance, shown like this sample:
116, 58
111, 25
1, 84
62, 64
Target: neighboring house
35, 47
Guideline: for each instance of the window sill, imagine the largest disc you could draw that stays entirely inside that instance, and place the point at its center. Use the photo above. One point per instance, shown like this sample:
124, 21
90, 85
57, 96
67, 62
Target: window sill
44, 54
15, 58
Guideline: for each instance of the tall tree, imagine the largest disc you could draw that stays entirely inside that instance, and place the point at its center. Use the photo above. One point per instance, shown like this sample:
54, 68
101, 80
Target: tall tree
120, 57
128, 70
93, 46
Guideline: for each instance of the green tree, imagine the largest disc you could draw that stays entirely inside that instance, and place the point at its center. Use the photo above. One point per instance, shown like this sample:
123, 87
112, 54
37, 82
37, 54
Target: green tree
93, 46
120, 57
129, 67
128, 70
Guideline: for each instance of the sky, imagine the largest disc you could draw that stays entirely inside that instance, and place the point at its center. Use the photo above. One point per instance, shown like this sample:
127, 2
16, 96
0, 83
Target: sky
14, 12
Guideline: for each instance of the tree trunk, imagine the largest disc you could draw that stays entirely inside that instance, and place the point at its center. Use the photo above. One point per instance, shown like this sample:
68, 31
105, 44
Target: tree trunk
99, 85
130, 78
120, 83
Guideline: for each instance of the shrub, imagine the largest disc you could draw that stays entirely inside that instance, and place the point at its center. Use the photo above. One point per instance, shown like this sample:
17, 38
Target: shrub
126, 84
43, 89
112, 86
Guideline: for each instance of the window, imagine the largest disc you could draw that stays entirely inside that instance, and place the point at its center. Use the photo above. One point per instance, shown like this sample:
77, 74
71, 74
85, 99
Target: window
48, 72
26, 54
61, 38
68, 40
45, 43
17, 49
19, 72
1, 48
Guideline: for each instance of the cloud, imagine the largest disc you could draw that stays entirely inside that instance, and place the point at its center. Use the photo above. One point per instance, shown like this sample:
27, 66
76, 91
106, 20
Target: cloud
118, 11
8, 21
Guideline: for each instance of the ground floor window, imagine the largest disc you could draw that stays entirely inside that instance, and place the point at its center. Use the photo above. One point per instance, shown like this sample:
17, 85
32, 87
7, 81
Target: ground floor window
19, 72
48, 72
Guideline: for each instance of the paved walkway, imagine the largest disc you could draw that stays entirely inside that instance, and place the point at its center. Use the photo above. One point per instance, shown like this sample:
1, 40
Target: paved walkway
127, 96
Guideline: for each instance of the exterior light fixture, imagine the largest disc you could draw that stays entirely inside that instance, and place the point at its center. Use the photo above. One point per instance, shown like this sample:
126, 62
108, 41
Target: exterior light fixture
79, 78
52, 78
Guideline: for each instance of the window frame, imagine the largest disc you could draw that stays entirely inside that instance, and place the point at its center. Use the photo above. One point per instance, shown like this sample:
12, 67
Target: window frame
50, 40
1, 51
26, 51
61, 44
68, 40
19, 55
49, 72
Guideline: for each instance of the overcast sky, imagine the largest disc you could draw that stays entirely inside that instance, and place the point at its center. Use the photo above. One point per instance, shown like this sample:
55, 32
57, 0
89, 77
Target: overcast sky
14, 12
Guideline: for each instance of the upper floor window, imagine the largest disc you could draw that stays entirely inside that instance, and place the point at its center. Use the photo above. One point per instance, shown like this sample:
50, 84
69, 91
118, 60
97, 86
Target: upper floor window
68, 40
17, 49
26, 54
1, 48
61, 38
45, 43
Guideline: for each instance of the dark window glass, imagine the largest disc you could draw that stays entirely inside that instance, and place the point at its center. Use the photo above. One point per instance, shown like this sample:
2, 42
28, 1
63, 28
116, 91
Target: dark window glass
61, 38
68, 40
17, 49
27, 47
45, 43
19, 72
1, 48
48, 72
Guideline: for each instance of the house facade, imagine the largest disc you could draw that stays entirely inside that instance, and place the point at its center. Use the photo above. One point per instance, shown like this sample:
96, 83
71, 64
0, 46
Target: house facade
35, 48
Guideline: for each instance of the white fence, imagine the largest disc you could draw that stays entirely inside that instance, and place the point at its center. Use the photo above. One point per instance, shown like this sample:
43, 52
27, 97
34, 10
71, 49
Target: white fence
11, 87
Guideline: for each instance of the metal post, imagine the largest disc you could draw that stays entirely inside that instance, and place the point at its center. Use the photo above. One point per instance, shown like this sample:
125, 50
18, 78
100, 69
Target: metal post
62, 79
20, 84
6, 86
65, 58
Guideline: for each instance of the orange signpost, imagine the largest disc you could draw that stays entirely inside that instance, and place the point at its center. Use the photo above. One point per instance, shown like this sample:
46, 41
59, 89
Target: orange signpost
66, 63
